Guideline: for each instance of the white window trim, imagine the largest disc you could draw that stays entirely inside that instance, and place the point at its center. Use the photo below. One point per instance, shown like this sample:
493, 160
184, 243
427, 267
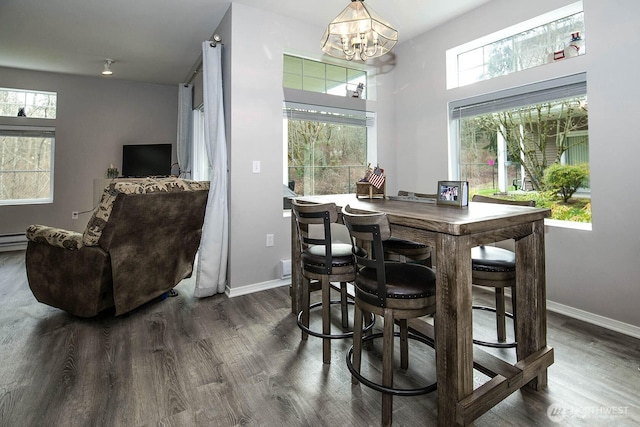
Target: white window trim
372, 140
539, 87
44, 200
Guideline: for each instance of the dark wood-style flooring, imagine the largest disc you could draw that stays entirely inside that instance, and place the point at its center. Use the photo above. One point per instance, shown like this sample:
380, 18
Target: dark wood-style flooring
230, 362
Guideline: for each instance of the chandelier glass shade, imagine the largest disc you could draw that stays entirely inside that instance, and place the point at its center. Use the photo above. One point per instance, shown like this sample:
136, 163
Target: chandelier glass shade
358, 32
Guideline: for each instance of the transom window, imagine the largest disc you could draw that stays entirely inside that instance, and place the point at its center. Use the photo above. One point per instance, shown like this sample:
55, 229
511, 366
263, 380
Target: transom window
314, 76
27, 103
548, 38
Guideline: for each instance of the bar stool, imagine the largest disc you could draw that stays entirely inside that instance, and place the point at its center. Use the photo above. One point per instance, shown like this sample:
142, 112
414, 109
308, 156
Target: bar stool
394, 290
496, 268
323, 262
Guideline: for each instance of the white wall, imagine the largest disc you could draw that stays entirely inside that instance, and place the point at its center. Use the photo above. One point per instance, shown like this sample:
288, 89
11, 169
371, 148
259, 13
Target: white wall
95, 117
254, 49
596, 271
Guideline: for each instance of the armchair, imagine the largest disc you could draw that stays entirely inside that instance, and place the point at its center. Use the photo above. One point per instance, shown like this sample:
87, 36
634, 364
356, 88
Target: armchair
140, 242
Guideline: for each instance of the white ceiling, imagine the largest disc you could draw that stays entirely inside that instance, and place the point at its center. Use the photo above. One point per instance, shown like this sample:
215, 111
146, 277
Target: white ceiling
158, 41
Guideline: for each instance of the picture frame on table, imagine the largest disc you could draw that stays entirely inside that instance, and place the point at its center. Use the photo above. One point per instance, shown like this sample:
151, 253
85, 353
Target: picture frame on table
453, 193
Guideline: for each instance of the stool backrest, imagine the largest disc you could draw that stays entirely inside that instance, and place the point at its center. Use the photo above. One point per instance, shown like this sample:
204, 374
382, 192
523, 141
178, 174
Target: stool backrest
322, 214
369, 230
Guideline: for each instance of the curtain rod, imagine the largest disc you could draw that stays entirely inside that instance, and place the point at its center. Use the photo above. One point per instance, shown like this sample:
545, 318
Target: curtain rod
215, 39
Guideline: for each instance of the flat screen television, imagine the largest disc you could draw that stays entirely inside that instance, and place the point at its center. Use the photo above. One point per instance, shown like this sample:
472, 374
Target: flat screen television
142, 160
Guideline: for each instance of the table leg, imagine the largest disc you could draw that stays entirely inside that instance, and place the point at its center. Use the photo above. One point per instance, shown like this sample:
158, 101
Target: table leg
453, 325
531, 302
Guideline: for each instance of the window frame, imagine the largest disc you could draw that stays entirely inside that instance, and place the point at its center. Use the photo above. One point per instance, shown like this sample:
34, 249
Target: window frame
34, 94
321, 73
43, 131
334, 115
548, 90
452, 55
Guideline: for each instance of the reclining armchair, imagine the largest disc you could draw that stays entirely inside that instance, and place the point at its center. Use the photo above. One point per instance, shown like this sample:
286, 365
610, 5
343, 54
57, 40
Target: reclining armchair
140, 242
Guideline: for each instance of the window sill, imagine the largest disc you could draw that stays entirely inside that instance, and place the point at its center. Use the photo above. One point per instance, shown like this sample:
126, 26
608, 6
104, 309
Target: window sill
584, 226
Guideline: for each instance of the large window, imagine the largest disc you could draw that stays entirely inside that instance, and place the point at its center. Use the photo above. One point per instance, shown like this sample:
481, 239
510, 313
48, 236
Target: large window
26, 148
328, 140
326, 148
26, 164
503, 142
547, 38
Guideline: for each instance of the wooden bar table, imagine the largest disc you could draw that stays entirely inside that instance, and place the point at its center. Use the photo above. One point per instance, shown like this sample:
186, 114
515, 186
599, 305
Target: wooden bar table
453, 232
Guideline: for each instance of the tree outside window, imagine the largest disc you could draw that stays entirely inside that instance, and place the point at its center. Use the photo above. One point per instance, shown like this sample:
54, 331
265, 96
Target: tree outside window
25, 166
325, 157
509, 151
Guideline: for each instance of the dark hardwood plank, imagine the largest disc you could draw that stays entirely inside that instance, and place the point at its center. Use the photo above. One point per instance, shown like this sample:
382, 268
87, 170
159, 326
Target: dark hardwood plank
228, 362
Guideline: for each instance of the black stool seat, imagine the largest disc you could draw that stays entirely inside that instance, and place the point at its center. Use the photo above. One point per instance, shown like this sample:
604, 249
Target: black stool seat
491, 258
404, 281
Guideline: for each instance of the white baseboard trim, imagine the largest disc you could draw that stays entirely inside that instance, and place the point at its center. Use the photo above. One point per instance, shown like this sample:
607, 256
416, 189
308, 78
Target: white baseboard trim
13, 242
595, 319
256, 287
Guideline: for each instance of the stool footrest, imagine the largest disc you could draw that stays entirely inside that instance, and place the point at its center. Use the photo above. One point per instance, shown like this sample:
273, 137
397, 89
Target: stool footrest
390, 390
330, 336
494, 344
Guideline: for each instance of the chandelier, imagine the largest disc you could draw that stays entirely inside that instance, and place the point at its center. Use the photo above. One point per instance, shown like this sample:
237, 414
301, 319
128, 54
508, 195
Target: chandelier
358, 32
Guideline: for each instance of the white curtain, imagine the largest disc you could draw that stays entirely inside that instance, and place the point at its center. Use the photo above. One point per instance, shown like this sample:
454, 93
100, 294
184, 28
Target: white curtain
200, 170
211, 275
185, 107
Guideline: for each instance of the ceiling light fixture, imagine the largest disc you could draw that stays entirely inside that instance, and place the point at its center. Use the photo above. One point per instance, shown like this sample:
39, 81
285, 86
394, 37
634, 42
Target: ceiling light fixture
358, 32
107, 67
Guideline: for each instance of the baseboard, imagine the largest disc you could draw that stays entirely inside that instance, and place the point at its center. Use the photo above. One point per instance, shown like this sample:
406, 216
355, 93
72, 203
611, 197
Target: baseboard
595, 319
575, 313
13, 242
257, 287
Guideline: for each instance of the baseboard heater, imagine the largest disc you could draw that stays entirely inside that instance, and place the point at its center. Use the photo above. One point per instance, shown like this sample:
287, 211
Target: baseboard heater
285, 268
13, 242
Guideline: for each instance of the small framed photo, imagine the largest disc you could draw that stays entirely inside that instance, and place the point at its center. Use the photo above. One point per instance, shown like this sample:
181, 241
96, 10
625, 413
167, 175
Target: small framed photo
453, 193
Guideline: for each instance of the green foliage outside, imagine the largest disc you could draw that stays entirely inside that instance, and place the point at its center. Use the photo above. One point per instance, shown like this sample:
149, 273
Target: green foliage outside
565, 180
325, 158
577, 209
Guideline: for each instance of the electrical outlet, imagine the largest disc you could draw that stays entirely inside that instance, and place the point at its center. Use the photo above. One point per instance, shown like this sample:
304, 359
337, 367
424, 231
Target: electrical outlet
74, 215
256, 166
269, 240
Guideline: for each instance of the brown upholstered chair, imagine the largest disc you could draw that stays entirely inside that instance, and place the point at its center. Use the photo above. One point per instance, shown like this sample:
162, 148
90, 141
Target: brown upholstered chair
140, 242
323, 262
496, 268
396, 291
407, 250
